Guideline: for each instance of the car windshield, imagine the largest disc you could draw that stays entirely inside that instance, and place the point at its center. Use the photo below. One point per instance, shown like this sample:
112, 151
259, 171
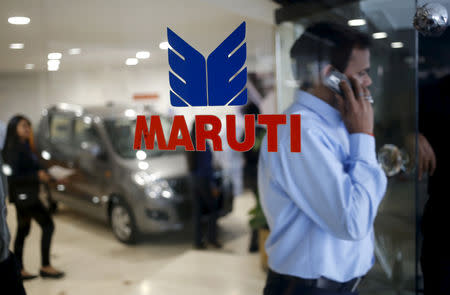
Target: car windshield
121, 134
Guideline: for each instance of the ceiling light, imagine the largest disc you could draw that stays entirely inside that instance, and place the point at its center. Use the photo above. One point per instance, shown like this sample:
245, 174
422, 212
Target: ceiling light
53, 62
87, 120
143, 165
46, 155
143, 54
53, 68
397, 44
164, 45
54, 55
130, 113
19, 20
53, 65
379, 35
16, 46
6, 170
141, 155
131, 61
357, 22
29, 66
74, 51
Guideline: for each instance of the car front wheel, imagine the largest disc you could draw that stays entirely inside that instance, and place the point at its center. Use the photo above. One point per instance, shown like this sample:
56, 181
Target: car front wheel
122, 223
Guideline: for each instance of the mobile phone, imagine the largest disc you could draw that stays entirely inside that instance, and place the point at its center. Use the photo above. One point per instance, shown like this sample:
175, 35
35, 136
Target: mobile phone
333, 79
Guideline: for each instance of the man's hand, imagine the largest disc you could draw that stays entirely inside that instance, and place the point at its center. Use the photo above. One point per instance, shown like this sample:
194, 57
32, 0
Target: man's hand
427, 158
64, 181
355, 109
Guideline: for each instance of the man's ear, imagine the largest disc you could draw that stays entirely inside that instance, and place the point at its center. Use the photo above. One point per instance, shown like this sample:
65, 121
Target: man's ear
324, 71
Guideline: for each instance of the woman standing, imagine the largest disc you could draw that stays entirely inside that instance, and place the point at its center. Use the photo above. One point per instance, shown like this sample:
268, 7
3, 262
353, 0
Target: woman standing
24, 181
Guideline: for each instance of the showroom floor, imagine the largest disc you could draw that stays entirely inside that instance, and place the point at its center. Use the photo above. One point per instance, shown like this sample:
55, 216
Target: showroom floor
95, 263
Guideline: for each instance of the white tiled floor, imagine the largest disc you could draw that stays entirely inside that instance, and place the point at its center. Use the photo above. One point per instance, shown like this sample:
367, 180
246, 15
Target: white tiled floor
96, 263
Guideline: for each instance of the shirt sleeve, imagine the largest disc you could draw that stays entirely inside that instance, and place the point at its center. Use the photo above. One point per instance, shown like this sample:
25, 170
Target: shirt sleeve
340, 195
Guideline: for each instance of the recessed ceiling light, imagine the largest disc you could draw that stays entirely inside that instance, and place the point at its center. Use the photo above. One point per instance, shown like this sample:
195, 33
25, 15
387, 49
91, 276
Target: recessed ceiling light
143, 165
131, 61
74, 51
130, 113
357, 22
164, 45
16, 46
379, 35
143, 54
53, 68
29, 66
141, 155
54, 55
53, 62
19, 20
397, 44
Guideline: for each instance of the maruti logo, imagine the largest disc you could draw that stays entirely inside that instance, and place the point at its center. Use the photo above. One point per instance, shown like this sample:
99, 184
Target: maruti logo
219, 80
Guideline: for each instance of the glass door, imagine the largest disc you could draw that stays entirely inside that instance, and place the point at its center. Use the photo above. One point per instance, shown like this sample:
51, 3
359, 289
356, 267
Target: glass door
394, 90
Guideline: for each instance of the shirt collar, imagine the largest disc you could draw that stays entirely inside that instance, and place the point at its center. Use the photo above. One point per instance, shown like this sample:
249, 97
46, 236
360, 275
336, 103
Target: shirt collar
317, 105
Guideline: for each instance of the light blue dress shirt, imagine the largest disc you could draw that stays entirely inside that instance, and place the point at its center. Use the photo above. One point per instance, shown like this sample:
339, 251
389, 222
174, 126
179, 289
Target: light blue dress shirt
321, 203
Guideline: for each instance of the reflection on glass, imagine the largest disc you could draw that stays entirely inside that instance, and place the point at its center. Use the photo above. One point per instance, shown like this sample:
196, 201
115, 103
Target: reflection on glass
394, 93
392, 159
121, 134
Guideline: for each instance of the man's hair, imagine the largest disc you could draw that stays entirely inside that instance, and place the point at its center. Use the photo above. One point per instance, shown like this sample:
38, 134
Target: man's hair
330, 43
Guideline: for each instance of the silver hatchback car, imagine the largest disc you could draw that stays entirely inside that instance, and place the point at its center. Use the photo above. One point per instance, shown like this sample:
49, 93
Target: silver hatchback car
137, 192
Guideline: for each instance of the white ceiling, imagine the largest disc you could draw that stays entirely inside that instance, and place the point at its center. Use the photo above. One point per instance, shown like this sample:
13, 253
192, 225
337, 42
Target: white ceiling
109, 31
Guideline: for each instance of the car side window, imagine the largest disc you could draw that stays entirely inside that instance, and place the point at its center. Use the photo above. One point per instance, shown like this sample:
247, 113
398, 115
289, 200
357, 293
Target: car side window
84, 131
60, 130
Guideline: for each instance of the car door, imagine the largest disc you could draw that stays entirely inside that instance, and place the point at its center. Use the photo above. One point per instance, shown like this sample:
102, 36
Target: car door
93, 167
61, 152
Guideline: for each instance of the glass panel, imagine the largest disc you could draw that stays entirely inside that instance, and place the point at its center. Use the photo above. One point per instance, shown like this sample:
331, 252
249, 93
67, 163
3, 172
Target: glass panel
393, 71
85, 132
60, 132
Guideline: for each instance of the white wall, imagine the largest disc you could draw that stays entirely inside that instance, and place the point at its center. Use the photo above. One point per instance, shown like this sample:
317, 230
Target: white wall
29, 93
21, 93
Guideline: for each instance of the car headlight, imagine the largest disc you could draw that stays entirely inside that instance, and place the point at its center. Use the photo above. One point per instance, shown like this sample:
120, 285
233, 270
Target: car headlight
155, 187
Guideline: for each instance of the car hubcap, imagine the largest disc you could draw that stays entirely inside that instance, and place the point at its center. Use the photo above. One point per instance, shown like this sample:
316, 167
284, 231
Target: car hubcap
121, 222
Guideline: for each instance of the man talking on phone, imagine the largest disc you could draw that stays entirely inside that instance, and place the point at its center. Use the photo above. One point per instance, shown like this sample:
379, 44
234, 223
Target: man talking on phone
321, 203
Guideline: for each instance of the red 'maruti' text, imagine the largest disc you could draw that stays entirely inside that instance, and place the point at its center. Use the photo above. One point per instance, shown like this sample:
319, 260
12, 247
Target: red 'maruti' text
179, 134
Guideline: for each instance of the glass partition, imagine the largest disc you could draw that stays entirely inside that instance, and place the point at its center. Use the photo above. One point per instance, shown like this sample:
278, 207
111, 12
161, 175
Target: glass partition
393, 71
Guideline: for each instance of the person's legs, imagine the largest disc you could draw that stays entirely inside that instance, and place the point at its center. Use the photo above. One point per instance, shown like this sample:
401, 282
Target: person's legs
23, 229
10, 277
254, 239
212, 220
44, 219
197, 215
212, 205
